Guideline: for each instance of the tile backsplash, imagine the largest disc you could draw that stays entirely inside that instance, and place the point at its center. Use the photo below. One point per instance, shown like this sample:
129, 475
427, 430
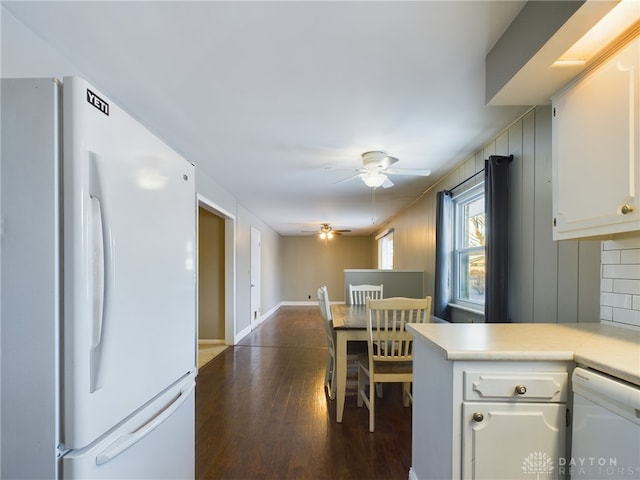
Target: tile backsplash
620, 281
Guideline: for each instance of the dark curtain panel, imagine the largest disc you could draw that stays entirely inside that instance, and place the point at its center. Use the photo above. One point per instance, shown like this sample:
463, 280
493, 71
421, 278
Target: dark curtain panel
496, 184
444, 248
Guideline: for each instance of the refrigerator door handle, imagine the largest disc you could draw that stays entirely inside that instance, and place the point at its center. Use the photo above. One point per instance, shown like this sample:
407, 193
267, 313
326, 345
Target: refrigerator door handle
126, 441
100, 262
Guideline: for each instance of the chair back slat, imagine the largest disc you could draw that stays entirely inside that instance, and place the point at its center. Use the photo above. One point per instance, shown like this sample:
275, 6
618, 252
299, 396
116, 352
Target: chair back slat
360, 293
388, 338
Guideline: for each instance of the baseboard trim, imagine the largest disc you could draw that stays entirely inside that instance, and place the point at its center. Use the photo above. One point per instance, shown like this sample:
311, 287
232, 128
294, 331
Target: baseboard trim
210, 341
242, 334
269, 313
247, 330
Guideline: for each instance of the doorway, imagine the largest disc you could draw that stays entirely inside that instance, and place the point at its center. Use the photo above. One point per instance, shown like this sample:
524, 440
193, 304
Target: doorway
211, 285
216, 275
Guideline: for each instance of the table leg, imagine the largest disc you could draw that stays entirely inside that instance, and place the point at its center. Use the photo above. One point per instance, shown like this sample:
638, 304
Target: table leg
341, 373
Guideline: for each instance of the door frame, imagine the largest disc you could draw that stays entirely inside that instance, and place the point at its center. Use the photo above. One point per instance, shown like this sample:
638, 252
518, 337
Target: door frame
255, 274
229, 266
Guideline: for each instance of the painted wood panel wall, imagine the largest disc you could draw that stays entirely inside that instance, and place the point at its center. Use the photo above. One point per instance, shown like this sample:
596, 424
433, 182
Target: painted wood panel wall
555, 282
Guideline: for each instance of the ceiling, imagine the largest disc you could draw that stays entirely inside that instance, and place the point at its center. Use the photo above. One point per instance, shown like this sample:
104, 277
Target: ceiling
275, 101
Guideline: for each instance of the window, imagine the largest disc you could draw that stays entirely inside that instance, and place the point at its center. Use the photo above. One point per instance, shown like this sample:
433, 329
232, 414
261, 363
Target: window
469, 247
385, 250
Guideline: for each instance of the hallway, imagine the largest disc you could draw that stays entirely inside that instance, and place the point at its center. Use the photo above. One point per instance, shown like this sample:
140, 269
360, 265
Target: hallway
262, 412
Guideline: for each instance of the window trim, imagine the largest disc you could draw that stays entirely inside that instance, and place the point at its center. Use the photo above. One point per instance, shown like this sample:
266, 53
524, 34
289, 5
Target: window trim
459, 201
388, 234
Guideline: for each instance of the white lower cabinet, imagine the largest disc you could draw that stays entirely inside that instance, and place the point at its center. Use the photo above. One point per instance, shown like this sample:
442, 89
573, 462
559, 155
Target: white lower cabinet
512, 440
488, 419
513, 422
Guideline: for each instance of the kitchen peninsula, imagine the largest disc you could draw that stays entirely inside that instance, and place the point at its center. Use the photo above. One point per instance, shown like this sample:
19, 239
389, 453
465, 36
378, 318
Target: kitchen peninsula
488, 396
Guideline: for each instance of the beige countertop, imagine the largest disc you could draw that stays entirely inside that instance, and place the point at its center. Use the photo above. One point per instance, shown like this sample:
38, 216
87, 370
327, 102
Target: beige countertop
610, 349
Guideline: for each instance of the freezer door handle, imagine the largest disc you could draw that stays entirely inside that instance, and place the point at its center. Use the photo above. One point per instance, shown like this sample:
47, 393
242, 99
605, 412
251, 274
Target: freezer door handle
126, 441
100, 263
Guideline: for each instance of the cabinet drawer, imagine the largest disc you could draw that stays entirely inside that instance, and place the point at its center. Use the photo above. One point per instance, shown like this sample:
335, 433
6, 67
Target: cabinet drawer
516, 386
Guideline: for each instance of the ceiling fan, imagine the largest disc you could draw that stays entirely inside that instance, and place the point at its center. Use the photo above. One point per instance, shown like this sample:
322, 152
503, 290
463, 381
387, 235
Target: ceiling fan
327, 233
376, 167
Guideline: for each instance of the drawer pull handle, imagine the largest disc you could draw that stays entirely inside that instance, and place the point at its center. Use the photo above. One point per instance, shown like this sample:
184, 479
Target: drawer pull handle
478, 417
626, 209
521, 389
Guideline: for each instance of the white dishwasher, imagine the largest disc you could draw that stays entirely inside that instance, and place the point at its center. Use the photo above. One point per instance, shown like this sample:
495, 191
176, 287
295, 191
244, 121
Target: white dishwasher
606, 428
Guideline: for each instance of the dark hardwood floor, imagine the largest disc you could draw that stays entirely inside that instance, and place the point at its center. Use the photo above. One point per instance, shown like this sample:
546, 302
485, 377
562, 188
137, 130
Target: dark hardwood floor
262, 412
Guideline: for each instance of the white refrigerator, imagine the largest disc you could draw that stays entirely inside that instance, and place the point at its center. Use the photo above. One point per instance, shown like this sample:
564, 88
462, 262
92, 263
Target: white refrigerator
98, 290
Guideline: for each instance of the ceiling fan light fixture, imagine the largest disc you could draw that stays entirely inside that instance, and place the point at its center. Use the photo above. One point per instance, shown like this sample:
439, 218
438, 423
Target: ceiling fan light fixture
326, 232
374, 179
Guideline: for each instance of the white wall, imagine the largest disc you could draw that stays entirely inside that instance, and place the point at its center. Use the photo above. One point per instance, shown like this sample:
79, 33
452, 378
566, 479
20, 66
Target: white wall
24, 54
270, 268
30, 284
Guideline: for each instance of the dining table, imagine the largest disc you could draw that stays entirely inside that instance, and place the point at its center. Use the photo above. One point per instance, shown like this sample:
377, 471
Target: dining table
350, 325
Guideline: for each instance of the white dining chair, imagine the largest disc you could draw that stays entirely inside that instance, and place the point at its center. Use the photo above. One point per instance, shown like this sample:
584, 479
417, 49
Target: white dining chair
360, 293
354, 349
325, 313
390, 347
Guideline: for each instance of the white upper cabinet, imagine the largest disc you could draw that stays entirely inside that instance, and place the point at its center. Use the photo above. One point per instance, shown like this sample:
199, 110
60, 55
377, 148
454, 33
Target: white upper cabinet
596, 148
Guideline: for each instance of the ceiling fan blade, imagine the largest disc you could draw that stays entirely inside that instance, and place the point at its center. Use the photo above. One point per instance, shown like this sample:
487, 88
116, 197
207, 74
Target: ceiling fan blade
408, 171
349, 178
387, 183
387, 161
341, 231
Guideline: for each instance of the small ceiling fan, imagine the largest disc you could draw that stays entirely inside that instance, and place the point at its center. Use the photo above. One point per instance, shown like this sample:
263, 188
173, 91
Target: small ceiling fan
327, 233
376, 167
